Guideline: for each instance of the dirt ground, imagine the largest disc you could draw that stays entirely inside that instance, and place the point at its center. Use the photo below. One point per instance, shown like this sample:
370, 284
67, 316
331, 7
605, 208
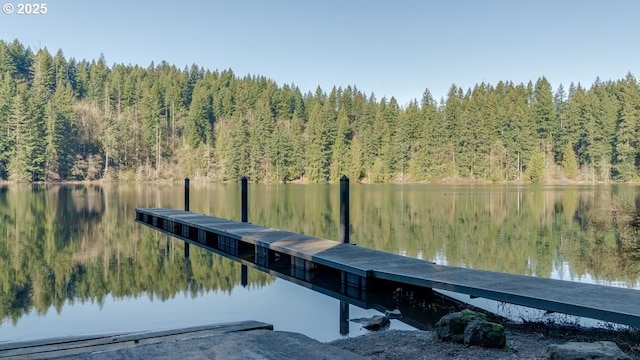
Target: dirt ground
523, 342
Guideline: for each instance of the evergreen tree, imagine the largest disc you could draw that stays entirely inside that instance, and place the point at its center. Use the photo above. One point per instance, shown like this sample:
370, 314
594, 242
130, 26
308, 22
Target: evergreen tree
26, 131
317, 164
298, 146
198, 125
7, 90
403, 138
626, 145
97, 78
518, 132
238, 157
43, 73
569, 162
535, 166
60, 134
456, 131
341, 148
430, 136
545, 118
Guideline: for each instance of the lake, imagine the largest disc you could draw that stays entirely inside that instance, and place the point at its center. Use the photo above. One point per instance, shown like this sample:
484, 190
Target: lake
73, 261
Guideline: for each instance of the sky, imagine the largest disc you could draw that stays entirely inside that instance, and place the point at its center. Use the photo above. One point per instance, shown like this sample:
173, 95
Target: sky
388, 48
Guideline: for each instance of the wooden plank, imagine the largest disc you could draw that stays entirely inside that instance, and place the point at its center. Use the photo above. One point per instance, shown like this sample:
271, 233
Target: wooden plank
51, 341
595, 301
48, 348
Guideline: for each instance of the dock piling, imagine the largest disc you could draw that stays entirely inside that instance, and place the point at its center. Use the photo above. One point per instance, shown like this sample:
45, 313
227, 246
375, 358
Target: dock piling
244, 188
344, 318
344, 209
186, 208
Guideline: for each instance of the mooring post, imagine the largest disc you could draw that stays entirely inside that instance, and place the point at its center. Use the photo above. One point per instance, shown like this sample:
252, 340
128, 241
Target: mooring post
244, 188
244, 276
186, 208
186, 194
344, 318
344, 209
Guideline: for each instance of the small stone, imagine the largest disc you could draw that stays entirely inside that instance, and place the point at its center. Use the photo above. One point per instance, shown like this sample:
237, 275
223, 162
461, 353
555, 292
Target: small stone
601, 350
375, 322
393, 314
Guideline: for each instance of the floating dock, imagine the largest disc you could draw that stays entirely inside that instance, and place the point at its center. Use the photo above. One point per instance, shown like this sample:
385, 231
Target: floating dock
356, 268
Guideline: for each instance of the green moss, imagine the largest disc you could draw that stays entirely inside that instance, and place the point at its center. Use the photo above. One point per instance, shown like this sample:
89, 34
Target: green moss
470, 315
497, 329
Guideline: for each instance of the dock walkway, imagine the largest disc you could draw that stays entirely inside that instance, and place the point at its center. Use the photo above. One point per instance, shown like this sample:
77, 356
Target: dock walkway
108, 345
358, 267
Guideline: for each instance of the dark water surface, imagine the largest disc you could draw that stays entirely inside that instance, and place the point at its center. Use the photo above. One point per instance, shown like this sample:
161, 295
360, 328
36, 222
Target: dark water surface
73, 261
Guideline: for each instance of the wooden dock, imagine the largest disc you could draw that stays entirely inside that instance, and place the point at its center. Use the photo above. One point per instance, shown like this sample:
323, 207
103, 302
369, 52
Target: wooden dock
356, 268
76, 346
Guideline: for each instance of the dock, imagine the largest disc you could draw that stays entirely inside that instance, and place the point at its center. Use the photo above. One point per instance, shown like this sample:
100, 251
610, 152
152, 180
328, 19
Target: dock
229, 341
356, 269
89, 345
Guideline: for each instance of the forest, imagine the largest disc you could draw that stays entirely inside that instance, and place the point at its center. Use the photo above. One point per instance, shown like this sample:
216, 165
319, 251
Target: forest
68, 120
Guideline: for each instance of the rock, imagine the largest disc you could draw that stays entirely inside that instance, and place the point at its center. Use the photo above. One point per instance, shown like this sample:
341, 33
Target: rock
375, 322
485, 334
604, 350
451, 327
393, 314
470, 328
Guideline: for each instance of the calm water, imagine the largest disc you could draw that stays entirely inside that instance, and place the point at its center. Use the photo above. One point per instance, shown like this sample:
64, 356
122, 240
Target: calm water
73, 261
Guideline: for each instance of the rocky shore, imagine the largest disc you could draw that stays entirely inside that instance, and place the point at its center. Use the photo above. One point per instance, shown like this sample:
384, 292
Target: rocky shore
523, 342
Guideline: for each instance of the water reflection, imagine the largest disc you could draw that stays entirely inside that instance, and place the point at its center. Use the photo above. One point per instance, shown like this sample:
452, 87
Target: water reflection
64, 246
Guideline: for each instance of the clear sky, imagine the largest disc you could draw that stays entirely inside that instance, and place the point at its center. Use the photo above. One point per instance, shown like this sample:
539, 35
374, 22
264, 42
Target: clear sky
391, 48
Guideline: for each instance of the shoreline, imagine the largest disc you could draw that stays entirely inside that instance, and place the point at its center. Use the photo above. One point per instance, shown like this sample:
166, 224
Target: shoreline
252, 339
444, 181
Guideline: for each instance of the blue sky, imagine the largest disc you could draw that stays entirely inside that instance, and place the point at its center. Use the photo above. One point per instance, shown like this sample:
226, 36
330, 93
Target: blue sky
390, 48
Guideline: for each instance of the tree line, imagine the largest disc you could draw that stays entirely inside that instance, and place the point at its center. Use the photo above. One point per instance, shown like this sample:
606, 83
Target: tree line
62, 119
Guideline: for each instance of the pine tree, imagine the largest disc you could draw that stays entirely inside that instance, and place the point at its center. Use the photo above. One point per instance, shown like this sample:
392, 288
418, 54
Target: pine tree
341, 147
627, 146
60, 134
317, 168
26, 129
298, 146
456, 131
535, 166
199, 123
569, 162
7, 91
519, 137
389, 154
238, 157
403, 138
97, 77
545, 118
425, 148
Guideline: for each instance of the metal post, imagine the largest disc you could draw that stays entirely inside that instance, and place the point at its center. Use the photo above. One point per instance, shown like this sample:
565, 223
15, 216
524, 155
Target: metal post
344, 318
243, 198
186, 208
244, 189
186, 194
344, 209
244, 276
